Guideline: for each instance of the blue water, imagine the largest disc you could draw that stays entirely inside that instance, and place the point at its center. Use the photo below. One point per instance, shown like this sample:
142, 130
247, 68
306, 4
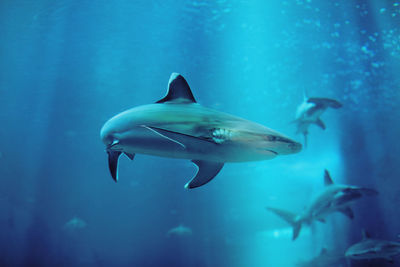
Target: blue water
66, 67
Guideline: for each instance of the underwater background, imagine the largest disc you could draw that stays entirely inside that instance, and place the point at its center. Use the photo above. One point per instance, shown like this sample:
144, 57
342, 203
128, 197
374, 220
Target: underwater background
66, 67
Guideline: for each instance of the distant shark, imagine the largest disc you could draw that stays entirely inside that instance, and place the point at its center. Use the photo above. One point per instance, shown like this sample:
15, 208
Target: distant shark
74, 224
180, 230
325, 259
177, 127
309, 112
370, 248
334, 198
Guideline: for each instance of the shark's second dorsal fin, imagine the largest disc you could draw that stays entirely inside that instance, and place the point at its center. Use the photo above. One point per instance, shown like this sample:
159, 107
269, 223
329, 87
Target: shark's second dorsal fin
327, 178
178, 91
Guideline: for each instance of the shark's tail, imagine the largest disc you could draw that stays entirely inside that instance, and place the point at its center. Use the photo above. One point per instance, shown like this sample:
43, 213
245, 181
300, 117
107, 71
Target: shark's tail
290, 218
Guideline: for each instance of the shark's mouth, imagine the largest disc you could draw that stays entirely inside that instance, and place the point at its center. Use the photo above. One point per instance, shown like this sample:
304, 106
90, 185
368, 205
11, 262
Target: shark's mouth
273, 152
112, 145
268, 150
276, 138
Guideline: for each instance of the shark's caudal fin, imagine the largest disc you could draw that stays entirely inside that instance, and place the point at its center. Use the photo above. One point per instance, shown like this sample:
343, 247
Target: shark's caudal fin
290, 218
178, 91
206, 172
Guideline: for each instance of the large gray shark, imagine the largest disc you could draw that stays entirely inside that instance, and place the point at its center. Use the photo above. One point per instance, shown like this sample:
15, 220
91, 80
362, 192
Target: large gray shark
334, 198
369, 248
325, 259
178, 127
309, 112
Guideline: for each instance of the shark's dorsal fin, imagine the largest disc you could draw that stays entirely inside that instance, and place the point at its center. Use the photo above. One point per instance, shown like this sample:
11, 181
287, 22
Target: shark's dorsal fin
327, 178
365, 234
178, 91
305, 95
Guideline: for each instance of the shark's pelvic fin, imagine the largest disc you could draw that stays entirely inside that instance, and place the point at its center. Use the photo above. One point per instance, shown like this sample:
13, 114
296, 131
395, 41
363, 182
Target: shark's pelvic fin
348, 212
206, 172
178, 91
321, 124
113, 157
327, 178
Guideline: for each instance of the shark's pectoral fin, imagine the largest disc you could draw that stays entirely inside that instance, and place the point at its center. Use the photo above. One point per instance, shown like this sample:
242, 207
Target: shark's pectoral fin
325, 102
321, 124
206, 172
348, 212
113, 157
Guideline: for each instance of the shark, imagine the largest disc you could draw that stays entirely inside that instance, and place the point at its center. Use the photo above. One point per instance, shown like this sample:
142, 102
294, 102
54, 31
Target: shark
176, 126
369, 248
334, 198
180, 230
325, 258
310, 111
74, 224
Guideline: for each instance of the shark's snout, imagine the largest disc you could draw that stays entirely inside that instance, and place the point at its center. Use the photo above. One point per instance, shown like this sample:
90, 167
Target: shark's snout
109, 138
285, 145
295, 147
106, 137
